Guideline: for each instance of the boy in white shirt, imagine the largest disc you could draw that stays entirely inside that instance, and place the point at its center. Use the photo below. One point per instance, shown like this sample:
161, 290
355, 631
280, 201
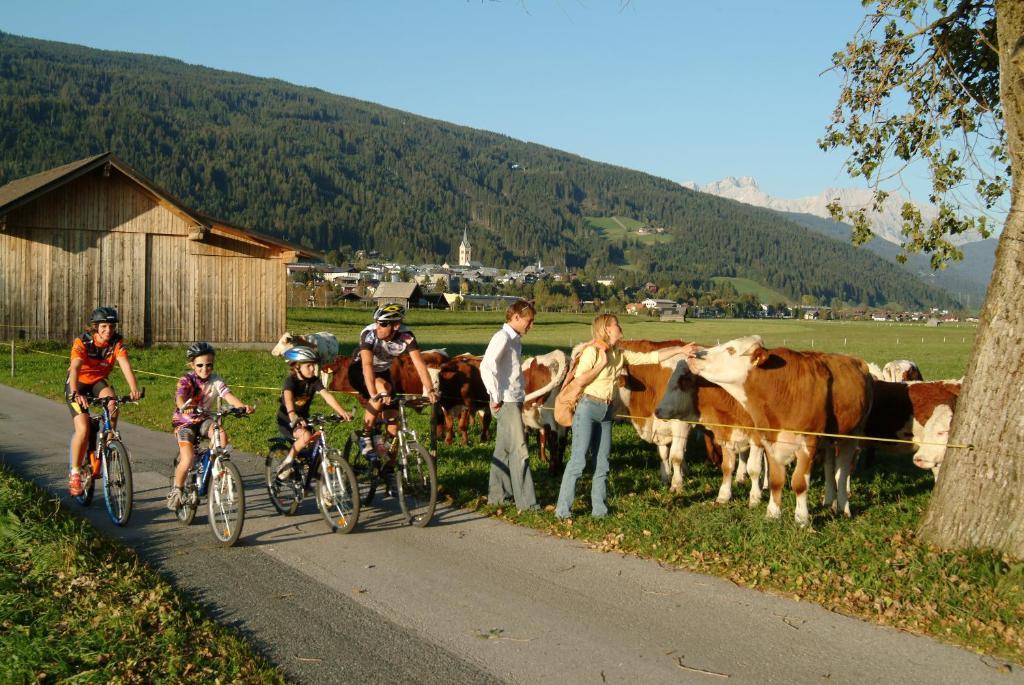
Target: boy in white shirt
502, 374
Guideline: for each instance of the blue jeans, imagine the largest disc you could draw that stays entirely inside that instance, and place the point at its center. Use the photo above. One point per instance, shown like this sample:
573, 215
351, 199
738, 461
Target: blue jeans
591, 428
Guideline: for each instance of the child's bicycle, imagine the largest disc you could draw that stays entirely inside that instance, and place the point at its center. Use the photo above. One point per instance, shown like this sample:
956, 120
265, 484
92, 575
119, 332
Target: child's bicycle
213, 475
109, 459
337, 492
415, 476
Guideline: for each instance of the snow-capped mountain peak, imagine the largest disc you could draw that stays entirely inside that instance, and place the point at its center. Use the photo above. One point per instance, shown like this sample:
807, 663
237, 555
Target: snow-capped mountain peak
886, 224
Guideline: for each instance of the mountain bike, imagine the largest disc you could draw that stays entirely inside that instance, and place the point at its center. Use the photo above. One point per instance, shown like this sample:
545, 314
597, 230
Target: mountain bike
406, 460
109, 459
214, 476
337, 491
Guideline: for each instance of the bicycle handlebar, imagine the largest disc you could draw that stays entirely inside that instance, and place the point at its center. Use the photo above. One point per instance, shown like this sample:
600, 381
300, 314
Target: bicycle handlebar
99, 401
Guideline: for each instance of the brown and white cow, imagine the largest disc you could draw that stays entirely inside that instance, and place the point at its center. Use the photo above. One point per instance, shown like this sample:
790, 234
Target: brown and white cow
689, 397
463, 394
901, 371
542, 376
792, 395
403, 373
920, 412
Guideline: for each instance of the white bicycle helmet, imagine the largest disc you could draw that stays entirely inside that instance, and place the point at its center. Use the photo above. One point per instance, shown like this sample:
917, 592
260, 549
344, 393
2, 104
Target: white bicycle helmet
389, 313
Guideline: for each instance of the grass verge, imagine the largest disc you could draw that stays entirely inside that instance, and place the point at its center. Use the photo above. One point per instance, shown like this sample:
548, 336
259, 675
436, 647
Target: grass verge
76, 607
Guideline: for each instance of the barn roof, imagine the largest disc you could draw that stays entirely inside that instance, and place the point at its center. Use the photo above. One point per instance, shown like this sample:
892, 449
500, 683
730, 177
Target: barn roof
403, 290
24, 190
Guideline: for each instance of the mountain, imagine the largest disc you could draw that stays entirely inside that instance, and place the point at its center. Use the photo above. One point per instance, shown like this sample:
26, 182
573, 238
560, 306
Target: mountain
338, 174
886, 224
967, 279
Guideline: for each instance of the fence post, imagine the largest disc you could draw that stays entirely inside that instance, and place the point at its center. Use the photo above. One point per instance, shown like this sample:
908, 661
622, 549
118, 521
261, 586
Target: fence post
12, 357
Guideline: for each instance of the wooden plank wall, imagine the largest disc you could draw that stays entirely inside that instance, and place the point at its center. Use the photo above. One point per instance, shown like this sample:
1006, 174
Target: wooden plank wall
107, 241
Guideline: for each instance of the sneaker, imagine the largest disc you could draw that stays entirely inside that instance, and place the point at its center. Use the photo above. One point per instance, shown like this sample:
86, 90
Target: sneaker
174, 499
75, 485
286, 471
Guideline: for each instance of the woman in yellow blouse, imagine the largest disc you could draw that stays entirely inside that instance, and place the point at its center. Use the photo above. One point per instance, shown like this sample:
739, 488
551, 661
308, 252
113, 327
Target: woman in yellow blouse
598, 368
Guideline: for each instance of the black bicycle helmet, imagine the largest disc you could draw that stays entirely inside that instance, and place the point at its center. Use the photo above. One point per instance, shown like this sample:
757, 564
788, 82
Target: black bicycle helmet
389, 312
300, 355
198, 349
104, 315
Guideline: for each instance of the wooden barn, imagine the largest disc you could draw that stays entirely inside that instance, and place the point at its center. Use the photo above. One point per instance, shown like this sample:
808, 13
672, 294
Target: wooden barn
97, 232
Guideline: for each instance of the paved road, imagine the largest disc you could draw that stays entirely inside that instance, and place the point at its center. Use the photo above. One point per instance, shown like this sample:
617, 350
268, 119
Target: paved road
471, 599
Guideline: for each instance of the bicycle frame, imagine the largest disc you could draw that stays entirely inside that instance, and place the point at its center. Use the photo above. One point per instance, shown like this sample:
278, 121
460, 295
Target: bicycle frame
316, 449
202, 464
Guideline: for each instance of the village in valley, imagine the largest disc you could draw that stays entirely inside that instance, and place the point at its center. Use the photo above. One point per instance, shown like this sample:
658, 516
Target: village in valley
468, 284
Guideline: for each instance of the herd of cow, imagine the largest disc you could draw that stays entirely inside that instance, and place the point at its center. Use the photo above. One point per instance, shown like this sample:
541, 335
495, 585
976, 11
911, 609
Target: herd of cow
782, 404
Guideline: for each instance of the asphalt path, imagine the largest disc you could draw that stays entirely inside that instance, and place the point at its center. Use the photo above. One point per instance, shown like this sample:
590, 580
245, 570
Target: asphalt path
471, 599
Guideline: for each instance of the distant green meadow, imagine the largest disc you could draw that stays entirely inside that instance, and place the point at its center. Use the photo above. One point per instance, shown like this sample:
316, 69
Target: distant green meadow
620, 227
746, 285
871, 566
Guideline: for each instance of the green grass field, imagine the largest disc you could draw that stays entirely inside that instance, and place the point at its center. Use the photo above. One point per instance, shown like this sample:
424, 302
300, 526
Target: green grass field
619, 227
745, 285
871, 566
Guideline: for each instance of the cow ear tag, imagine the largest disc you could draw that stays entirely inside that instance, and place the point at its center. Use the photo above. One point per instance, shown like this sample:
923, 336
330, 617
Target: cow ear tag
756, 360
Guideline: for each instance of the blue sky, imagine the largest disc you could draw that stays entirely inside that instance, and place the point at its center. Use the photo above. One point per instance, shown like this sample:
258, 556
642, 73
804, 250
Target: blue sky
682, 89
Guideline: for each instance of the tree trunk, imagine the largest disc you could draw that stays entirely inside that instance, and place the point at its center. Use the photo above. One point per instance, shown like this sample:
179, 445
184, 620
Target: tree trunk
978, 499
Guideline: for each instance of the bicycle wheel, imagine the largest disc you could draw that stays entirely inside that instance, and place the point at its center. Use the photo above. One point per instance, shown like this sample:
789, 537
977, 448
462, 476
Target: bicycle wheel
367, 478
416, 478
338, 494
117, 483
88, 482
285, 494
226, 502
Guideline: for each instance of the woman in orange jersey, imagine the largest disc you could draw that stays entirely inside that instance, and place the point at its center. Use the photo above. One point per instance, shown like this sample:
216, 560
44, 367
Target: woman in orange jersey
92, 359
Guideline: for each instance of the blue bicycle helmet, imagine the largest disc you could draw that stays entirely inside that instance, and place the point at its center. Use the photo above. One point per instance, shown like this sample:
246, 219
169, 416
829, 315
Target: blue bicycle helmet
299, 355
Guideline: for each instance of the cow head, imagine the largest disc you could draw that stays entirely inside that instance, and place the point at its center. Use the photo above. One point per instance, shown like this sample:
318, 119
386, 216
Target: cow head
934, 438
284, 344
678, 402
544, 373
901, 371
730, 362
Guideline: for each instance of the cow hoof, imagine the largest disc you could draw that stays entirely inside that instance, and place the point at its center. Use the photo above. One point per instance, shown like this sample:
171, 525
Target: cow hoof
722, 500
773, 512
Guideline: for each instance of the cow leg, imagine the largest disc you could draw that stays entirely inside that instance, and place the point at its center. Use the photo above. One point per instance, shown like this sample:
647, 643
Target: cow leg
559, 439
464, 418
676, 457
449, 426
740, 469
802, 480
542, 439
666, 466
485, 426
776, 479
728, 464
829, 467
754, 459
845, 459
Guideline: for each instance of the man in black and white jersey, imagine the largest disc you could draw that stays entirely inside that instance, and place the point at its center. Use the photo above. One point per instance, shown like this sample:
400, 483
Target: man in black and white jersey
379, 344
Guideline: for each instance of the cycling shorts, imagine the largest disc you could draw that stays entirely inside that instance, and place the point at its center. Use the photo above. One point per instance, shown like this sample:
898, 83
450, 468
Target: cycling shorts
358, 382
193, 433
90, 390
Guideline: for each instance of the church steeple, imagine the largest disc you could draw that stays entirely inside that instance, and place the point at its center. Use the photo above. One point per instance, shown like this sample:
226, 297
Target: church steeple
465, 251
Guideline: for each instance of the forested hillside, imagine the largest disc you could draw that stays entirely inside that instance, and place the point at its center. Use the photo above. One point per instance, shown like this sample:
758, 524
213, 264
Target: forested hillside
339, 174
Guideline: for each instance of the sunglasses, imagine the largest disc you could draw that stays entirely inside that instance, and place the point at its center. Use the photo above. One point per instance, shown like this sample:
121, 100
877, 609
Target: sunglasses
389, 324
204, 366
